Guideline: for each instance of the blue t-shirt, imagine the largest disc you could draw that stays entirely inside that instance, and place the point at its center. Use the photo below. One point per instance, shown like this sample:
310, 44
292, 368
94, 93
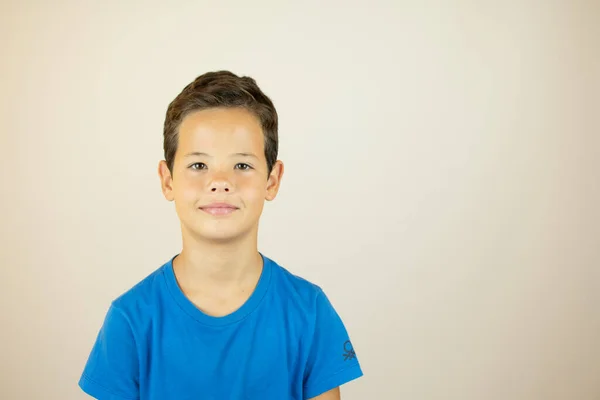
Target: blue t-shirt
285, 342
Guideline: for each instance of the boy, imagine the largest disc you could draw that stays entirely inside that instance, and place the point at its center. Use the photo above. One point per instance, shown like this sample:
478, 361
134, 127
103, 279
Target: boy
220, 320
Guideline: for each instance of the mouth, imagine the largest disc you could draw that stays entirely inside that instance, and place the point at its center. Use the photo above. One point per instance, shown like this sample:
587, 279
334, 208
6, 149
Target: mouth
219, 209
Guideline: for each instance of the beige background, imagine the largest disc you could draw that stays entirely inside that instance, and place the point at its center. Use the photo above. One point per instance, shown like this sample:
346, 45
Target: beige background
442, 180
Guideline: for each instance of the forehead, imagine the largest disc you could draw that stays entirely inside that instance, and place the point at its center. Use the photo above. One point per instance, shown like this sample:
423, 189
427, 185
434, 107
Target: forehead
216, 129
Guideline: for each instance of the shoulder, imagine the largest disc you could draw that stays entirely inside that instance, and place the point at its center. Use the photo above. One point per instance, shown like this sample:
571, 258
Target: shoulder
295, 286
298, 293
143, 295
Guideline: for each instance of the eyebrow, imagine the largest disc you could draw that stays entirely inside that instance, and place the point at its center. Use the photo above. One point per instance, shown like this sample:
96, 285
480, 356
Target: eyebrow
197, 153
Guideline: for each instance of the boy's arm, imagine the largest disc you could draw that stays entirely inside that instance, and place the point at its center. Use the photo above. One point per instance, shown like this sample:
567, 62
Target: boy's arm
112, 370
333, 394
331, 360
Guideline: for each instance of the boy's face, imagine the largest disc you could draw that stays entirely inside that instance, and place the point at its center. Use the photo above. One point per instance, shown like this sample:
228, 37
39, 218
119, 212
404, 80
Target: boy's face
219, 180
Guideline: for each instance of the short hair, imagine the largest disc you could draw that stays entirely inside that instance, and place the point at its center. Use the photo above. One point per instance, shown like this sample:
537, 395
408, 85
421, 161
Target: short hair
221, 89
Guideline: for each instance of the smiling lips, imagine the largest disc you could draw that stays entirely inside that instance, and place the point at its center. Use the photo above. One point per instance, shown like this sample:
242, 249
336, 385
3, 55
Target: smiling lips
219, 209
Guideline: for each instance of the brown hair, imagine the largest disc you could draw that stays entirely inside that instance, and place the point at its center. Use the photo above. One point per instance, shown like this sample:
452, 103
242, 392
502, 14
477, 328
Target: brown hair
221, 89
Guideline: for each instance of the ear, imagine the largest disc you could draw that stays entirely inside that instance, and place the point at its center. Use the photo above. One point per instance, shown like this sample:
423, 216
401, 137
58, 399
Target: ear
166, 181
274, 181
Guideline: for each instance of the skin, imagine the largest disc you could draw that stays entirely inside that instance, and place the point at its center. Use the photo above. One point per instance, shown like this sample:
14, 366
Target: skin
333, 394
220, 158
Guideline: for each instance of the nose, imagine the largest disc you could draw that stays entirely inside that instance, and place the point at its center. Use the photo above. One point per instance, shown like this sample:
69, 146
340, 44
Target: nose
219, 188
220, 184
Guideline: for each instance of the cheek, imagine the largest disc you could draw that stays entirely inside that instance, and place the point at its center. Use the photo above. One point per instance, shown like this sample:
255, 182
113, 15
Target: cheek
187, 190
253, 191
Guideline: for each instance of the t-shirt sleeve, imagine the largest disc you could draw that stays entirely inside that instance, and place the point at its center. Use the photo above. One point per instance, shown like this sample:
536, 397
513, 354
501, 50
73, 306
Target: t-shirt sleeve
331, 361
111, 372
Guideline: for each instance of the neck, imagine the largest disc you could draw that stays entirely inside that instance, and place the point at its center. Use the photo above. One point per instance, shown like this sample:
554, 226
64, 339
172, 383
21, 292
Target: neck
219, 265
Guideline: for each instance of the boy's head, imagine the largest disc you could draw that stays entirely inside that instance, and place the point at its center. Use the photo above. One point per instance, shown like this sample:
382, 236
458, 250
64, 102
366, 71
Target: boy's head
220, 146
227, 90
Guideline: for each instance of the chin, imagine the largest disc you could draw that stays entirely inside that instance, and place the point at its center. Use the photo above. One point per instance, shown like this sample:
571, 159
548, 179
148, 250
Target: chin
219, 236
221, 233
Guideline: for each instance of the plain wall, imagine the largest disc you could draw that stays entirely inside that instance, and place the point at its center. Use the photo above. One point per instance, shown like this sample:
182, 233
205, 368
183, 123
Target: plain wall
441, 185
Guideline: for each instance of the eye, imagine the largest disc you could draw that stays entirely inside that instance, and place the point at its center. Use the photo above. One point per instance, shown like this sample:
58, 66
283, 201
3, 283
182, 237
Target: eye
243, 166
198, 165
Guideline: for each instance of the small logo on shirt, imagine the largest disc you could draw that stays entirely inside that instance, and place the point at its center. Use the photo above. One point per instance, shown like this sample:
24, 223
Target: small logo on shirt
349, 353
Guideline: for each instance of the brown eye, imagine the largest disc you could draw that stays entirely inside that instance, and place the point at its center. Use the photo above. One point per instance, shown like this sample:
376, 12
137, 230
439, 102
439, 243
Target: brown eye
243, 166
198, 166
